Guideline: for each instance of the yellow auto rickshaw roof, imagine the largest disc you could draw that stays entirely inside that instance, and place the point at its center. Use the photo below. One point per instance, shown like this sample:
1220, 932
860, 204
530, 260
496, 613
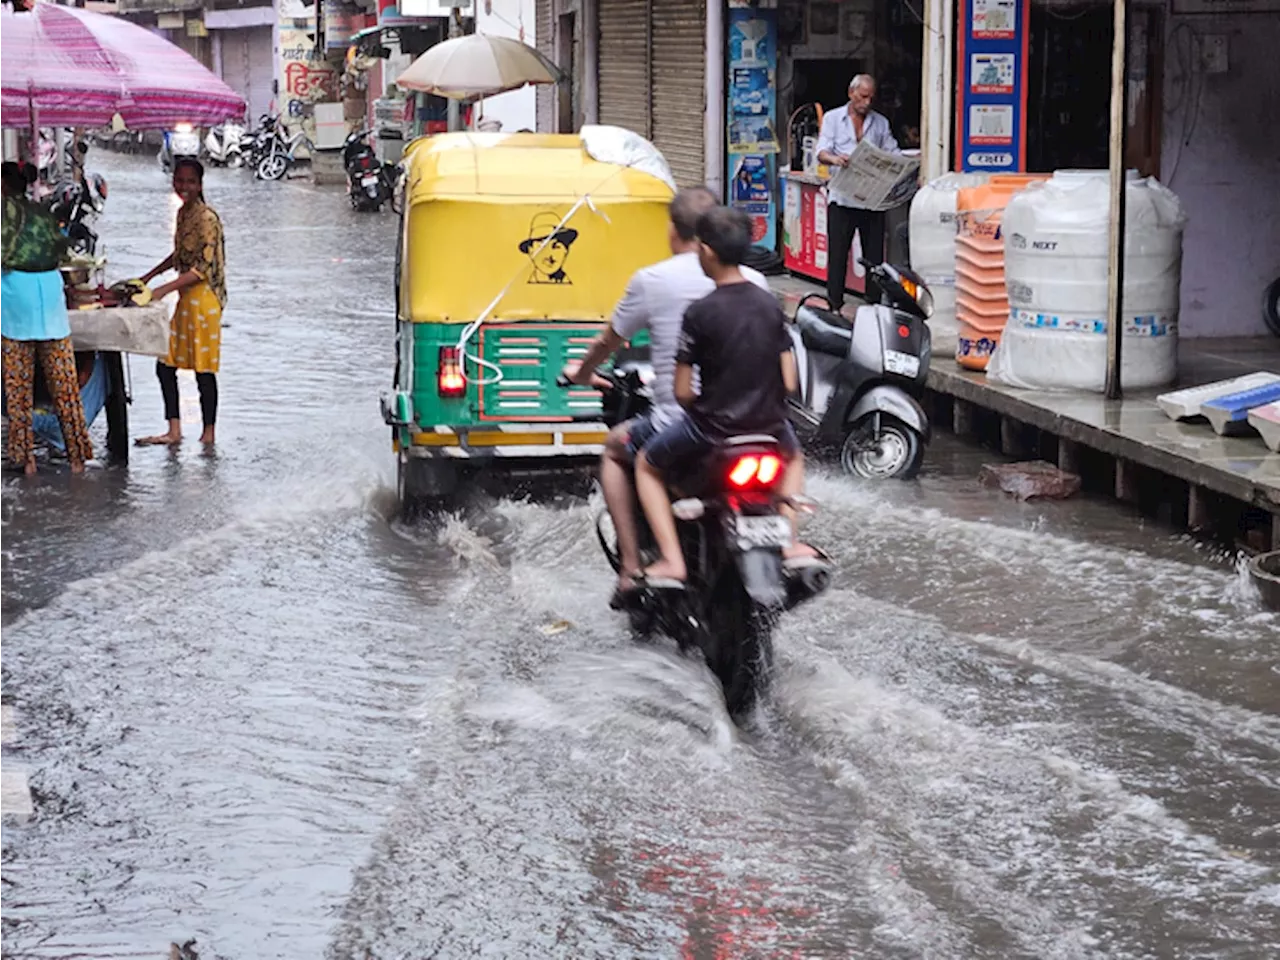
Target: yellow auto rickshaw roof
502, 167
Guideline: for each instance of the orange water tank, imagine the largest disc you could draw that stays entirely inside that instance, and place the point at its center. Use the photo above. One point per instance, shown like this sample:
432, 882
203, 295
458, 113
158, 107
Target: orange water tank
982, 306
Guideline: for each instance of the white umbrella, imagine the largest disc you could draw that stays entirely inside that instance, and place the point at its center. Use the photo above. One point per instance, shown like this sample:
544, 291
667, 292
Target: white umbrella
477, 66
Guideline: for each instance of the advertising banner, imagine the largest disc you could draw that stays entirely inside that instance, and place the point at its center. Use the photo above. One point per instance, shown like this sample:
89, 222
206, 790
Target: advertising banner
992, 96
751, 91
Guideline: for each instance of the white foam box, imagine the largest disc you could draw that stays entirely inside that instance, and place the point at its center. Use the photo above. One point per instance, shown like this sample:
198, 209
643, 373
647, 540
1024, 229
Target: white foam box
1185, 404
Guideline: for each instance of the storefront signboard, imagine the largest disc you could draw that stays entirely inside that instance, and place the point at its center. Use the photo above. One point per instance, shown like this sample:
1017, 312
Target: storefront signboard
992, 95
752, 133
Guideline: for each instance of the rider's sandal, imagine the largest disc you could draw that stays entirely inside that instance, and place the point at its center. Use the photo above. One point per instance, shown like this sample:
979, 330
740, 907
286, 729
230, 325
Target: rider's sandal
796, 564
658, 583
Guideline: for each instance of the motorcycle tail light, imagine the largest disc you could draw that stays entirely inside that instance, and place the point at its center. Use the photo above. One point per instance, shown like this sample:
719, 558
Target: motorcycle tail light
770, 467
744, 471
752, 471
450, 382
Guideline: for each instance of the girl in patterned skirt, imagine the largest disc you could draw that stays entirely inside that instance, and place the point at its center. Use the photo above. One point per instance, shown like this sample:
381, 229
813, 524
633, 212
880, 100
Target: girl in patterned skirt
195, 335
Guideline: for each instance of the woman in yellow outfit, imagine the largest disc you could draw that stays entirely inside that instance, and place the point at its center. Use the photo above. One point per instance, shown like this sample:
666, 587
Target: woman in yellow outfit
195, 336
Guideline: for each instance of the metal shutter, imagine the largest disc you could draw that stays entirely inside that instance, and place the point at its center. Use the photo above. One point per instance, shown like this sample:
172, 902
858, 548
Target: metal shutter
623, 78
262, 72
679, 86
544, 37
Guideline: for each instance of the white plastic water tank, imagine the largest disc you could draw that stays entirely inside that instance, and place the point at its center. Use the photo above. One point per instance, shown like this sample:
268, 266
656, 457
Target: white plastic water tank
932, 233
1056, 237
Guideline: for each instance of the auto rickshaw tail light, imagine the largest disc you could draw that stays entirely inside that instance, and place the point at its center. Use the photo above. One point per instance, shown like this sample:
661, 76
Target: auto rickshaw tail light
449, 379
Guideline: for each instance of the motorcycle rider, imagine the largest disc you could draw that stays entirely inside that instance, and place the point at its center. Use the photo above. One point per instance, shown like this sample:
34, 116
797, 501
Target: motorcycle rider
655, 300
736, 336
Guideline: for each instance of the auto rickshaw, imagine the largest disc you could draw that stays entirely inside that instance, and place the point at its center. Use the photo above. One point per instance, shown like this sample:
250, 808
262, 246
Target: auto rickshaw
513, 251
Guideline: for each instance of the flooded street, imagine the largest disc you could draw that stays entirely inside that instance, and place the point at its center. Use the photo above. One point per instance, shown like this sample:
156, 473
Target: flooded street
258, 712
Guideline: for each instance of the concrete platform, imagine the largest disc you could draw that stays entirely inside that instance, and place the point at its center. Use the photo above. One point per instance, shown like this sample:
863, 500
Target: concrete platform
1131, 431
1135, 428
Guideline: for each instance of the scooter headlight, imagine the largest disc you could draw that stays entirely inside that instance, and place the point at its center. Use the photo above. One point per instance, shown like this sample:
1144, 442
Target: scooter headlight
923, 297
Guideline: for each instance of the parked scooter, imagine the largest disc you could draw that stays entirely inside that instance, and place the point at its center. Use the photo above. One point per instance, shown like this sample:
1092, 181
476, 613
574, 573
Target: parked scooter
370, 183
222, 144
182, 141
861, 380
732, 533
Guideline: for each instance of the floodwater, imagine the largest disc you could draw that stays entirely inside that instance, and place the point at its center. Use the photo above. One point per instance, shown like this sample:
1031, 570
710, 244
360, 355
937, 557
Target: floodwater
259, 713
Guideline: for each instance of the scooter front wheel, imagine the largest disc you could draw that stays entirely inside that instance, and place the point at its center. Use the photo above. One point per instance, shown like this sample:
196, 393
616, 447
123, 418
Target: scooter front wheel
882, 450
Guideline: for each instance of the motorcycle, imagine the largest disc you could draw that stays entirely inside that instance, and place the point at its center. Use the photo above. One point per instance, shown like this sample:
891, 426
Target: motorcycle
280, 155
182, 141
369, 183
253, 143
77, 201
223, 143
861, 381
732, 534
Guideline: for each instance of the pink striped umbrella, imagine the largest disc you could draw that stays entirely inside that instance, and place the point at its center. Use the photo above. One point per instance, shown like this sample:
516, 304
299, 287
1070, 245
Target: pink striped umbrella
67, 67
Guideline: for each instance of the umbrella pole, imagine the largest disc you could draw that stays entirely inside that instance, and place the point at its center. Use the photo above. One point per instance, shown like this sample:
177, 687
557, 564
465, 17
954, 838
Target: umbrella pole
35, 131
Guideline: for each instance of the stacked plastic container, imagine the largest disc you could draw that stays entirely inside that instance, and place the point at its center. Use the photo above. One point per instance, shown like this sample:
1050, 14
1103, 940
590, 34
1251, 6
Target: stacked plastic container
1056, 250
933, 240
982, 305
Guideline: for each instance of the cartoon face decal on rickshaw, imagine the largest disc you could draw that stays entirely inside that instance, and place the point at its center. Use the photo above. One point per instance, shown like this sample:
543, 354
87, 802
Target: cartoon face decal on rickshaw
548, 258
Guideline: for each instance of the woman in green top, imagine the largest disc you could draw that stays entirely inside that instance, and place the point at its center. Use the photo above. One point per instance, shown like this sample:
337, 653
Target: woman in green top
34, 324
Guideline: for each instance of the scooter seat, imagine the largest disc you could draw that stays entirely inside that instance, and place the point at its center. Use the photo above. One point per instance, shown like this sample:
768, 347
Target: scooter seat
824, 331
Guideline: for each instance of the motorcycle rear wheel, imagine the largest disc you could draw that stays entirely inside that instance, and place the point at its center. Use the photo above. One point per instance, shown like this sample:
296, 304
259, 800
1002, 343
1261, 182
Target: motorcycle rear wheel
739, 647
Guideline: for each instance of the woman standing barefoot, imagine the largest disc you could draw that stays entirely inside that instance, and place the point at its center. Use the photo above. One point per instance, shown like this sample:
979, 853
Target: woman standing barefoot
195, 336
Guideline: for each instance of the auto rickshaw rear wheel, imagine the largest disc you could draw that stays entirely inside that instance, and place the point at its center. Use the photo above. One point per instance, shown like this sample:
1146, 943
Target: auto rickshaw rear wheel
422, 485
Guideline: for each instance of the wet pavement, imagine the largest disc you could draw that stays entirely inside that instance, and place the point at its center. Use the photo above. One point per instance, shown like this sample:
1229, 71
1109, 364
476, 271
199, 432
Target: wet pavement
256, 711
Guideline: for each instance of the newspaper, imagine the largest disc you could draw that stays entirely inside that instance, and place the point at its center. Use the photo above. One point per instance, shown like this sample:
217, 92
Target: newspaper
875, 179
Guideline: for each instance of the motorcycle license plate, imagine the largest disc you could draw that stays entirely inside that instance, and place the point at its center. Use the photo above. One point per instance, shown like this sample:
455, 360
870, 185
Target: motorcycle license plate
369, 181
762, 531
901, 363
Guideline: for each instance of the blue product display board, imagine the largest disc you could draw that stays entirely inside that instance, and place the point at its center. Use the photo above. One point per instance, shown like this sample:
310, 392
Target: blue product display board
751, 114
992, 94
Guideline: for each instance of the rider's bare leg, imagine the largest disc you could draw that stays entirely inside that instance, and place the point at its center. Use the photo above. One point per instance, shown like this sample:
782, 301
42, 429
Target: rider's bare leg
793, 484
652, 491
620, 500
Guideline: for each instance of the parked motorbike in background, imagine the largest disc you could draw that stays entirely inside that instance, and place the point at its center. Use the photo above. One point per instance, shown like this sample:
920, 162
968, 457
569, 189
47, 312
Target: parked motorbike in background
253, 143
280, 155
182, 141
222, 144
732, 534
77, 200
370, 183
861, 381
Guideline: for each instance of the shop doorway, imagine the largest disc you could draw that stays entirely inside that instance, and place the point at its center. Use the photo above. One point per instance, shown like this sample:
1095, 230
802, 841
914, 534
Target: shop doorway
1069, 104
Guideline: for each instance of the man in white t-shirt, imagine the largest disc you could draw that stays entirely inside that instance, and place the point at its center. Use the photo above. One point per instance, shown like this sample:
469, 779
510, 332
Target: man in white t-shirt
655, 300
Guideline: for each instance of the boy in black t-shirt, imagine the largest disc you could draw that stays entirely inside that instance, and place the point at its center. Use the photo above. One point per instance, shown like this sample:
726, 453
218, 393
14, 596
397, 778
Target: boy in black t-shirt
736, 336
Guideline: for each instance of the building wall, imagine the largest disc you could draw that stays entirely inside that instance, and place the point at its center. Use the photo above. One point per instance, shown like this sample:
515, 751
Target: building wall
1220, 152
516, 19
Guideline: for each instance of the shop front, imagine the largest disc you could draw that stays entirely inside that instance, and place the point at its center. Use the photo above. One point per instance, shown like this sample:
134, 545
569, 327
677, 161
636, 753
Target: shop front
820, 47
1201, 115
243, 53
